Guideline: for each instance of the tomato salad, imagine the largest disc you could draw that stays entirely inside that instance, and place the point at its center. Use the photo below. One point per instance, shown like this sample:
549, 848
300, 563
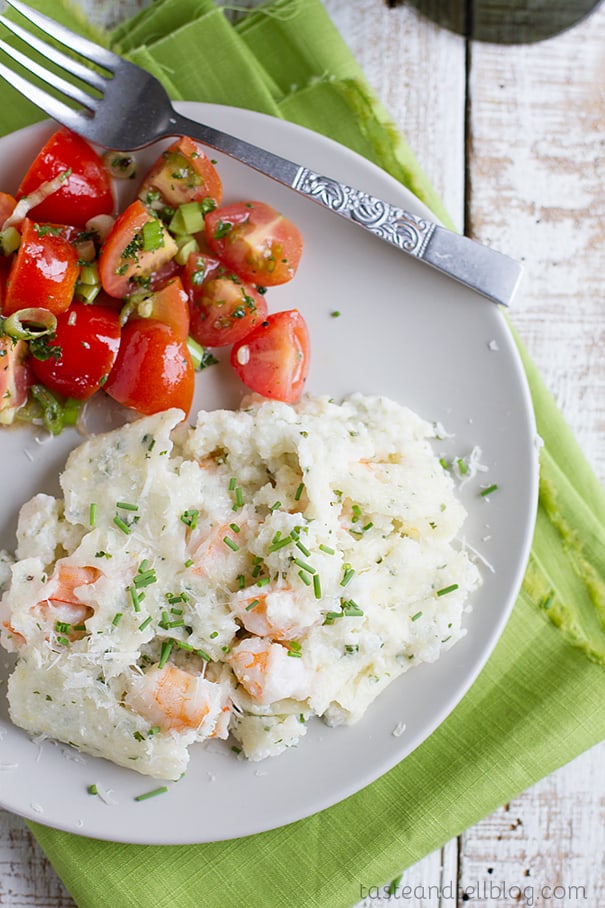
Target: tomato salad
129, 305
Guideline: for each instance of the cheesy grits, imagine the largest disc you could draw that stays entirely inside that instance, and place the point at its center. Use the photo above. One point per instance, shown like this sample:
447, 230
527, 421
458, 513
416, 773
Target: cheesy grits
232, 580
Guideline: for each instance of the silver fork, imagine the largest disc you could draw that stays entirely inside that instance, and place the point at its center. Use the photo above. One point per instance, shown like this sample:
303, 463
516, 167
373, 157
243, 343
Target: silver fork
129, 109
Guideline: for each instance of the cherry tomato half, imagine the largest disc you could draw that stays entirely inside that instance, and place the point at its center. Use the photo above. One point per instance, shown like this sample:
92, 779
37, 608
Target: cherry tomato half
44, 270
274, 359
15, 376
87, 338
137, 245
169, 304
153, 370
255, 241
84, 195
182, 173
224, 309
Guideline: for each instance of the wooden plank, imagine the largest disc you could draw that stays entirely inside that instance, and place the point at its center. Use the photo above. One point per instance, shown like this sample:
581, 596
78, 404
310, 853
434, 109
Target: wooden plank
418, 71
536, 177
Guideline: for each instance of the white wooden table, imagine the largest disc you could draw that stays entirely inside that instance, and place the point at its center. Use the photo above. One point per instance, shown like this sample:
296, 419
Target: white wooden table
513, 138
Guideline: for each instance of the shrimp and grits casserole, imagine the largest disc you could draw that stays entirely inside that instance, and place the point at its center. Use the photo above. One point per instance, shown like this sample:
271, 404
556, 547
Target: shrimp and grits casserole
232, 580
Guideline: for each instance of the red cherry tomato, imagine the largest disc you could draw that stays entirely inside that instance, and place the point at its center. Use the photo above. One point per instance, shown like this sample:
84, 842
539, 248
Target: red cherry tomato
169, 304
15, 377
224, 309
86, 193
87, 338
129, 254
182, 173
255, 241
274, 359
153, 370
44, 270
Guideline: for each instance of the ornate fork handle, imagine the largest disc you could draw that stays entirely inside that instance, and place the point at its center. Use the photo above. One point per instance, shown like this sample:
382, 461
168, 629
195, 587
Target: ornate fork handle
402, 229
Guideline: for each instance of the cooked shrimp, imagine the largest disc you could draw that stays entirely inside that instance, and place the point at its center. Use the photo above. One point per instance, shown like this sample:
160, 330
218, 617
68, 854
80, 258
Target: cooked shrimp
277, 612
218, 546
63, 609
176, 699
268, 672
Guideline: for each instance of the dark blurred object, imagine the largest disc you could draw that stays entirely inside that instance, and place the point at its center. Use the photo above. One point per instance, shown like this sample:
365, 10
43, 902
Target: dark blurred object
503, 21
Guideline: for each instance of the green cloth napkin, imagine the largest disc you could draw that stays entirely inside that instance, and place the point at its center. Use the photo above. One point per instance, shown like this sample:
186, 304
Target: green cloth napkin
539, 701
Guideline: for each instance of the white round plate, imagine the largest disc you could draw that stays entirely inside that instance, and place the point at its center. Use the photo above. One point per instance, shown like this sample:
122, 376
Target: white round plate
404, 331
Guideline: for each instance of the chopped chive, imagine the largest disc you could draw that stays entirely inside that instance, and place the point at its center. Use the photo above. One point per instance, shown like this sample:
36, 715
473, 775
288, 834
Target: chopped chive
134, 598
239, 497
176, 611
348, 574
416, 616
117, 618
305, 578
306, 567
302, 547
154, 730
203, 655
62, 627
241, 581
63, 640
263, 581
275, 506
367, 527
230, 543
151, 794
356, 513
145, 623
317, 586
126, 506
179, 622
462, 466
252, 605
444, 463
235, 527
165, 653
232, 484
190, 518
351, 609
327, 549
447, 589
121, 525
299, 491
92, 514
213, 635
280, 543
489, 490
92, 789
79, 627
189, 562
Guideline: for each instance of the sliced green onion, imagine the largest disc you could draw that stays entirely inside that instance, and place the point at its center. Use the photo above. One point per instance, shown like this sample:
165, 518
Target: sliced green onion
153, 235
29, 324
10, 240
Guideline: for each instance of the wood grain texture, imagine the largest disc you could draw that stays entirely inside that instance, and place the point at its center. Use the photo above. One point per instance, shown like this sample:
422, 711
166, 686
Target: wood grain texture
513, 138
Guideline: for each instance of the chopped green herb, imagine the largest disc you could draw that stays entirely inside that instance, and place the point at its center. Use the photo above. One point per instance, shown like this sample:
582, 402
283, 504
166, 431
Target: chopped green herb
151, 794
447, 589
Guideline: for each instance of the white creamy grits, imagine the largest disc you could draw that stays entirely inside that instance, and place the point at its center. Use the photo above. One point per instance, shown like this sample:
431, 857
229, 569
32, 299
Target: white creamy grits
233, 580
